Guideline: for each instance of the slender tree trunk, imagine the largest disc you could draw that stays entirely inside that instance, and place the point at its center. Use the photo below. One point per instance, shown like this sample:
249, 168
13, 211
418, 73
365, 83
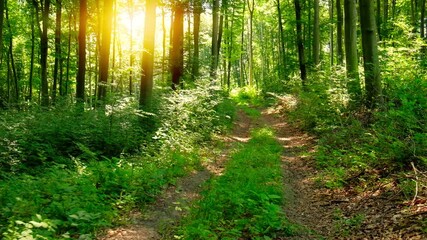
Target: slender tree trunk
58, 57
282, 38
44, 53
215, 30
11, 58
331, 31
146, 88
131, 57
163, 44
2, 4
385, 19
422, 20
340, 51
196, 35
80, 81
352, 64
33, 40
370, 54
67, 73
177, 51
242, 49
300, 44
113, 59
251, 9
316, 34
104, 52
378, 18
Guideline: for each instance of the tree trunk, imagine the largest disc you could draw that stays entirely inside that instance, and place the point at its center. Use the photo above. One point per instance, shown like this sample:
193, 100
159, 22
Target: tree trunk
33, 39
282, 58
196, 35
177, 51
148, 54
370, 54
44, 53
58, 57
251, 9
215, 30
80, 81
340, 52
378, 19
242, 50
423, 15
300, 44
131, 57
352, 64
316, 34
11, 58
2, 4
163, 44
104, 51
331, 31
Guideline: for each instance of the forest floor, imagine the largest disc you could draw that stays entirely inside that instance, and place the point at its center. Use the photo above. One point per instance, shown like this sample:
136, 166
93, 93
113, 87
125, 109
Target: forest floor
322, 213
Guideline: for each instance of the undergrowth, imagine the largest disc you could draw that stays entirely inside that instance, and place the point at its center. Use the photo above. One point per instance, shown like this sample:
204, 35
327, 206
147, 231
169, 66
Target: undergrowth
68, 174
245, 202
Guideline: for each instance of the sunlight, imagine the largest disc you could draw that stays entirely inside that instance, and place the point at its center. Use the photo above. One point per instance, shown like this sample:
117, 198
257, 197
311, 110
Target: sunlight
134, 24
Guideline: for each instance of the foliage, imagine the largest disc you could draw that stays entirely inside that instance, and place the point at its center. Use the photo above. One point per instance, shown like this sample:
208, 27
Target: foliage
354, 140
80, 188
244, 202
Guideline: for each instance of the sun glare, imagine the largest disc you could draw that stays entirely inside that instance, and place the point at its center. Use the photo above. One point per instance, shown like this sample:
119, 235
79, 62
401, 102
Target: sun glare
134, 24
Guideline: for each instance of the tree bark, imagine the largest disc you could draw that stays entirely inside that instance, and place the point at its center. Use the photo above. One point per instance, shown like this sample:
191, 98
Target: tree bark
215, 30
80, 81
300, 44
340, 51
370, 54
146, 88
282, 37
196, 35
104, 51
2, 4
352, 64
251, 9
316, 34
58, 57
177, 51
44, 53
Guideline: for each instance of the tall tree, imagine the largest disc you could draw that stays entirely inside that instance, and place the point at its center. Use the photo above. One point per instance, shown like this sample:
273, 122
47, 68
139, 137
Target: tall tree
316, 33
1, 26
370, 54
177, 50
340, 52
251, 10
44, 52
282, 36
300, 44
104, 51
81, 74
148, 53
352, 64
197, 11
58, 55
215, 33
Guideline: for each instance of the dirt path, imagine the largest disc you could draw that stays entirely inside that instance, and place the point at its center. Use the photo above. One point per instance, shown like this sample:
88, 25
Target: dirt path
160, 217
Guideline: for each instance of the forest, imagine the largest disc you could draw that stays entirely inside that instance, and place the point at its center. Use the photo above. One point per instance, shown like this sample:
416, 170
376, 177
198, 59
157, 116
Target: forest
219, 119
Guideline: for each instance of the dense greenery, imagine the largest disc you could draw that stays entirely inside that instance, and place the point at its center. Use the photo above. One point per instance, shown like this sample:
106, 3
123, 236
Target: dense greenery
82, 186
244, 202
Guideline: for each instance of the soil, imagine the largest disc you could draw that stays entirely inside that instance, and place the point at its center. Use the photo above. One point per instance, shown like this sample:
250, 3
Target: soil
374, 213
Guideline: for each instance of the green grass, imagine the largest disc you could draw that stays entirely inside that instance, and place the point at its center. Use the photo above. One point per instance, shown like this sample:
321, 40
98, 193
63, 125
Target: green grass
245, 202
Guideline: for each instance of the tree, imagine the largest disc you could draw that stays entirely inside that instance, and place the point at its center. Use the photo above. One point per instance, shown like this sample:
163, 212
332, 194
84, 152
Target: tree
300, 44
370, 54
80, 81
58, 57
316, 34
340, 52
104, 51
251, 9
148, 53
215, 33
44, 52
352, 64
177, 51
1, 26
197, 10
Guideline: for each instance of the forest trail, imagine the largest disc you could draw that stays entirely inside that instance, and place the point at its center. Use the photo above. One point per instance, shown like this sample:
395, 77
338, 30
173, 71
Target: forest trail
320, 213
159, 217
